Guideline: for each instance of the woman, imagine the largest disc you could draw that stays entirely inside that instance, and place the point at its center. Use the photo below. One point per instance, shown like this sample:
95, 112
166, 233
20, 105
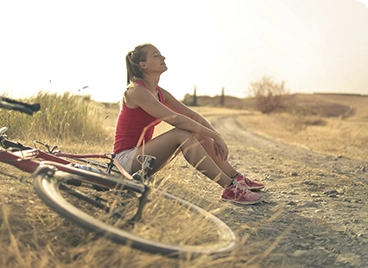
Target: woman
145, 104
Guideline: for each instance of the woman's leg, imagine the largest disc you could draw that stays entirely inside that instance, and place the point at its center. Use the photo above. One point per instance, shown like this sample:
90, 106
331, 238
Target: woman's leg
165, 145
225, 166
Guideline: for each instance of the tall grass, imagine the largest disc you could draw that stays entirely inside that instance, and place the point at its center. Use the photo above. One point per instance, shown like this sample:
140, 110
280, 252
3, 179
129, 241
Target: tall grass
65, 117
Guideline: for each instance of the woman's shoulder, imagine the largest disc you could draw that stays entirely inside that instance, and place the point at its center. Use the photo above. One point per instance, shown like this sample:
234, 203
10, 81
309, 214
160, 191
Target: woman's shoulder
135, 88
132, 94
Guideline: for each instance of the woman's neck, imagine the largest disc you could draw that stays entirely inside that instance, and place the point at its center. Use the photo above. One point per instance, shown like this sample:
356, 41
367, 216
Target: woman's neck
151, 82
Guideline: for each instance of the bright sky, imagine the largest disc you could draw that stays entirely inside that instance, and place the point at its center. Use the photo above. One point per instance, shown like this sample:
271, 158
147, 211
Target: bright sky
312, 45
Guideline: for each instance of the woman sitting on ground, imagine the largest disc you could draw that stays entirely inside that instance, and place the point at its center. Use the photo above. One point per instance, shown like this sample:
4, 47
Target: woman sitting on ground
145, 104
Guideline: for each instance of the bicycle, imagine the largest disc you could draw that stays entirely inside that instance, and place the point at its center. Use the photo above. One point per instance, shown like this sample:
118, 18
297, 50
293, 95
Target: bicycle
123, 203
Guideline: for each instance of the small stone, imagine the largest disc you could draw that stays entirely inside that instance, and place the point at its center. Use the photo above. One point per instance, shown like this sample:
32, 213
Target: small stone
319, 211
308, 205
305, 245
331, 192
294, 173
300, 253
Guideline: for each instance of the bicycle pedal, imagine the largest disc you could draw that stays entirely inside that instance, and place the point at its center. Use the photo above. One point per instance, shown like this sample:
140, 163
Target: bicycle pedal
137, 176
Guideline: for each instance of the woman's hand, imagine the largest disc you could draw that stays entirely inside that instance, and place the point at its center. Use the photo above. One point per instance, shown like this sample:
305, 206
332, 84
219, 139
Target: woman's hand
221, 148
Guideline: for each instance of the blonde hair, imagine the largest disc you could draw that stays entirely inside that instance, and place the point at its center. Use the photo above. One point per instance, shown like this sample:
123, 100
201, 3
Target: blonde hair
133, 58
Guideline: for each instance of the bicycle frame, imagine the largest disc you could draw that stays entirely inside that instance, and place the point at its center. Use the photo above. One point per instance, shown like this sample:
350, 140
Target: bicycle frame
147, 161
30, 160
52, 155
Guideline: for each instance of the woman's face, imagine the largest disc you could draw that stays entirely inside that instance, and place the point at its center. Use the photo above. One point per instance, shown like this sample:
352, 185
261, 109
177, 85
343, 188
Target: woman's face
155, 62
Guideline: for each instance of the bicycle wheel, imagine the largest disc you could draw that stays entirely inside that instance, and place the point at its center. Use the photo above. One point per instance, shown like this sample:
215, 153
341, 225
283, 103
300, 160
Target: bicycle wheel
168, 224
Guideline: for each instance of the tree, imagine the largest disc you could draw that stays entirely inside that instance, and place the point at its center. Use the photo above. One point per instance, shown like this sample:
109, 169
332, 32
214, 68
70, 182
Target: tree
195, 96
222, 99
267, 94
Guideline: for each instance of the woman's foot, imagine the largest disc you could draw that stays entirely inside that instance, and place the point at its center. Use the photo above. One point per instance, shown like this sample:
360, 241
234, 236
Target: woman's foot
247, 183
240, 195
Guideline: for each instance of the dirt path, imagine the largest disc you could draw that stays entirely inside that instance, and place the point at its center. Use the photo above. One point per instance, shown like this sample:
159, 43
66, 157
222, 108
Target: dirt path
314, 212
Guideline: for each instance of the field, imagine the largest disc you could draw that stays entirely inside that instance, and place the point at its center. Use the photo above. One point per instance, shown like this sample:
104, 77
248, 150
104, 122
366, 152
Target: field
338, 125
312, 158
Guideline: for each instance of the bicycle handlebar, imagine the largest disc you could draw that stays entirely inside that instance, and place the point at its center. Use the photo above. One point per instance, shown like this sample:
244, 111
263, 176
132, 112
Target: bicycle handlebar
23, 107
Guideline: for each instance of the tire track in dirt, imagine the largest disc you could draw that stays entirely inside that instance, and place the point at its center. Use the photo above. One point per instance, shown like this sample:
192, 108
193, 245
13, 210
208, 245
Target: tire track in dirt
233, 131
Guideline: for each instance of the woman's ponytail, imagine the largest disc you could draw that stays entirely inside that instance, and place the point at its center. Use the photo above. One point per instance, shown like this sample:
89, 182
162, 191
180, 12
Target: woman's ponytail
133, 58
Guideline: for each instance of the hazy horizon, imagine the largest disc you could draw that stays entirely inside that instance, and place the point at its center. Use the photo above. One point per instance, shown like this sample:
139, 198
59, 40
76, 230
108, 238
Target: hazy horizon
312, 45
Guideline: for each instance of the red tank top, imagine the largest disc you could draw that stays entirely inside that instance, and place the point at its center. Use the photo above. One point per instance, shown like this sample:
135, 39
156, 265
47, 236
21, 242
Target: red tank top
130, 125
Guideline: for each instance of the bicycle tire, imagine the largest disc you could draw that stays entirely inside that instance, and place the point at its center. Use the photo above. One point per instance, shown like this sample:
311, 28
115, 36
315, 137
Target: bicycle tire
48, 190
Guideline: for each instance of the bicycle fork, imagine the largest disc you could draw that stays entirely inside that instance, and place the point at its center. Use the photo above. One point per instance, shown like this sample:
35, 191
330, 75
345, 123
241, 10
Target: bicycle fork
143, 200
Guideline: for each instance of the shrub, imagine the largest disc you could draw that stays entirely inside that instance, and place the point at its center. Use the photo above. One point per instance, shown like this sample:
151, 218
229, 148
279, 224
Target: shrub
267, 94
62, 117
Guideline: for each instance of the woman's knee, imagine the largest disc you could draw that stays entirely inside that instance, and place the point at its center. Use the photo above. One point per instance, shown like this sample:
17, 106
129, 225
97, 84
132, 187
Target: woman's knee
204, 140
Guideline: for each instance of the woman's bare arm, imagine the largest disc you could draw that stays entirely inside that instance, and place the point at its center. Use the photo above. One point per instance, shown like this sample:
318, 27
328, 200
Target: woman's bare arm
140, 96
179, 107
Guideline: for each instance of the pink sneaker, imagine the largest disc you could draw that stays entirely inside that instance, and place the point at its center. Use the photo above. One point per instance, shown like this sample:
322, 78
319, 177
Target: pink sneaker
237, 194
247, 183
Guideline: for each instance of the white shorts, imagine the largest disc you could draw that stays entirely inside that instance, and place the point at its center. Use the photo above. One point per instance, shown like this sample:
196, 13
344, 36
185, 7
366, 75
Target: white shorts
126, 158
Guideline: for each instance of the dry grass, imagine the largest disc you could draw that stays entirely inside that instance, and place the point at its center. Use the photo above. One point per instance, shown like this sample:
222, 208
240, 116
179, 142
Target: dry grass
33, 236
63, 117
